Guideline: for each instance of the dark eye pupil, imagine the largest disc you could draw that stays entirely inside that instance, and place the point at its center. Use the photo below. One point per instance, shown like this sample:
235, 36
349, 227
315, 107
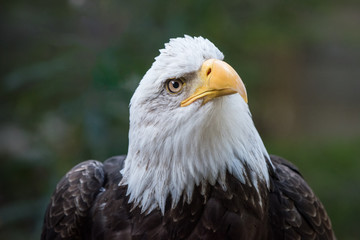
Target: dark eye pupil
175, 84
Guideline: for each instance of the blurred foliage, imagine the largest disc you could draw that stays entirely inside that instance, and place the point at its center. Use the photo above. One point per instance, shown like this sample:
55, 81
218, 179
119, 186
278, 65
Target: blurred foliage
68, 70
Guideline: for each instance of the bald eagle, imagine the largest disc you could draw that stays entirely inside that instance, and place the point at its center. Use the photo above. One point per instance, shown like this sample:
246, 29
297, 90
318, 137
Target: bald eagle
196, 166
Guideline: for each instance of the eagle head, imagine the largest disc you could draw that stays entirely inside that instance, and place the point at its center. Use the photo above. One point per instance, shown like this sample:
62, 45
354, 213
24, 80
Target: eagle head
190, 125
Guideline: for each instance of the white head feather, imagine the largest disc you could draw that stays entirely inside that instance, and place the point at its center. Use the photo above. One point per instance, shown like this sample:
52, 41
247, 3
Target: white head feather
173, 148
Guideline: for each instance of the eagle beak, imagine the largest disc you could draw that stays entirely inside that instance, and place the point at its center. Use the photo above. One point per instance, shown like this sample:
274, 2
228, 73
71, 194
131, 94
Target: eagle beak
217, 78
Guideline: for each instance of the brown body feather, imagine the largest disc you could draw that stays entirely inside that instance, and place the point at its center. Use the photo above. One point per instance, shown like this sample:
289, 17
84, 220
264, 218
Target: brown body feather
88, 203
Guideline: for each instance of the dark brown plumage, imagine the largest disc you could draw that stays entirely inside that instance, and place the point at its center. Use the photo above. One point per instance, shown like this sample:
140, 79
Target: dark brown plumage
89, 204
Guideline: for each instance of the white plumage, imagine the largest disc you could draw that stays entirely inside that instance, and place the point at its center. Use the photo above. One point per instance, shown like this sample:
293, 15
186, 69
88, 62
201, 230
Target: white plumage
190, 145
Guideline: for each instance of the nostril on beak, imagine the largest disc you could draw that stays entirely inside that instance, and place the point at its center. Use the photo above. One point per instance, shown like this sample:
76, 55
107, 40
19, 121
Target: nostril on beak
208, 71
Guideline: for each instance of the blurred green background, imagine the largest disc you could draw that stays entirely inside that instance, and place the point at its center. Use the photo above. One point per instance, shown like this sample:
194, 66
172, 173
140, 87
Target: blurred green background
69, 68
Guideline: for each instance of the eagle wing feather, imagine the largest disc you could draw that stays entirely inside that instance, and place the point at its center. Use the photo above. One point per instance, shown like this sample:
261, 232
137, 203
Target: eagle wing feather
73, 198
294, 210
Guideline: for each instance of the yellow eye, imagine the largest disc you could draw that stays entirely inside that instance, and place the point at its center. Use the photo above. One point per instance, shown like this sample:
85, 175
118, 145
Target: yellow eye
174, 85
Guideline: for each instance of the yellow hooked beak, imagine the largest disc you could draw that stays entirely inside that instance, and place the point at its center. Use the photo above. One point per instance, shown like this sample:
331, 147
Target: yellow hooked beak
217, 78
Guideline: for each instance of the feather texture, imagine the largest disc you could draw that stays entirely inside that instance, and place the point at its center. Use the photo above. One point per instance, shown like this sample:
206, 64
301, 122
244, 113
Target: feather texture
291, 210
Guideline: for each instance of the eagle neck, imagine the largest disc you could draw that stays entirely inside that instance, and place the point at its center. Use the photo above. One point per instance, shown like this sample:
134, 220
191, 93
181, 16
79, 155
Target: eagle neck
218, 139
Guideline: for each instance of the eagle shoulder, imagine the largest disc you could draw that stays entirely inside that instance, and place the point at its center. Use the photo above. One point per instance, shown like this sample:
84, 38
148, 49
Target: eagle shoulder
294, 210
73, 198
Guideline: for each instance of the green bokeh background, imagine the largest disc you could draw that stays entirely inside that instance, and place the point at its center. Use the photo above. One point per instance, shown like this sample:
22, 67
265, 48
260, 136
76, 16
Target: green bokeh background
69, 68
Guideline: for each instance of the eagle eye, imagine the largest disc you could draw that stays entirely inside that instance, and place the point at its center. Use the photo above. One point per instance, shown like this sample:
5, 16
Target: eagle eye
174, 85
